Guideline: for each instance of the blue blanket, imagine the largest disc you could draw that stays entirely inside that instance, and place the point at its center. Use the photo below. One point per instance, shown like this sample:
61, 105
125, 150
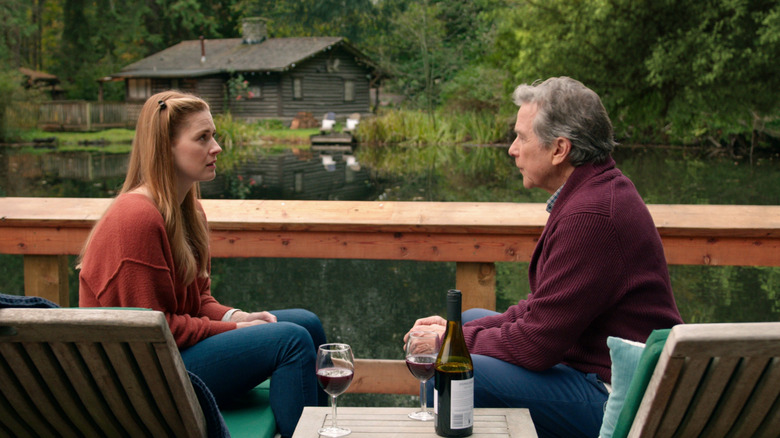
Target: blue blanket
215, 424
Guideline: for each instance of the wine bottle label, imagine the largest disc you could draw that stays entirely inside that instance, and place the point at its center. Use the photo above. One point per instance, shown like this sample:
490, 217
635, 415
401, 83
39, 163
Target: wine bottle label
462, 404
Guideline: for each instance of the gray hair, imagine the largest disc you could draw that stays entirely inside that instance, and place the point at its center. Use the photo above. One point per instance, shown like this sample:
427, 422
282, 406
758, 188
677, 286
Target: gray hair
569, 109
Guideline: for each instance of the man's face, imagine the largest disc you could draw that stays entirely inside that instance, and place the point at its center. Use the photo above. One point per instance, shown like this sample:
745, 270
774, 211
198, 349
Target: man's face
531, 157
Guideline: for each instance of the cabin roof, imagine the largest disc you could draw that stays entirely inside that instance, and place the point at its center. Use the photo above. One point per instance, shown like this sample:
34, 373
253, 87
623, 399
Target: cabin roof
233, 55
35, 75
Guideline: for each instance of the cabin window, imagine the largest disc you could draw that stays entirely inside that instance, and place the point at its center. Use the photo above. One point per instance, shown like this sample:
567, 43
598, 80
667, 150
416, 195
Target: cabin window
333, 65
349, 91
298, 188
297, 88
139, 89
254, 92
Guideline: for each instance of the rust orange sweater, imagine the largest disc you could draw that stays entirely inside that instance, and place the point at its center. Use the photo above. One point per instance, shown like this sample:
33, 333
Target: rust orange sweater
129, 263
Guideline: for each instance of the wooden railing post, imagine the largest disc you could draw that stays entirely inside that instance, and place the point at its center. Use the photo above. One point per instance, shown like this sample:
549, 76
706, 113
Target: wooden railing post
477, 282
46, 276
383, 376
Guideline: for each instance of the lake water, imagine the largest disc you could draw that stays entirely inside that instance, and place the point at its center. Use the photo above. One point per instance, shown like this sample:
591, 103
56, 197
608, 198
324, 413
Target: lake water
371, 304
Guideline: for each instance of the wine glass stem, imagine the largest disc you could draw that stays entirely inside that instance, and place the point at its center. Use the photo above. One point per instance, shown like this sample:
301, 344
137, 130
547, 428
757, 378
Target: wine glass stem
423, 395
335, 426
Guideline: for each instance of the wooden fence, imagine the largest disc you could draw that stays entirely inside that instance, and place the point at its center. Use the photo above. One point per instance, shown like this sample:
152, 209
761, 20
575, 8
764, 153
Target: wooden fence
73, 115
83, 116
474, 235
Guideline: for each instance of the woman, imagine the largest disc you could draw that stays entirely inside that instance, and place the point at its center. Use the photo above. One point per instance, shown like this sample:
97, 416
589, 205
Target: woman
151, 250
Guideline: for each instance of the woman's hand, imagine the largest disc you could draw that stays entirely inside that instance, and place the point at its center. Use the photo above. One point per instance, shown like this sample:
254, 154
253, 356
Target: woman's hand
244, 319
249, 323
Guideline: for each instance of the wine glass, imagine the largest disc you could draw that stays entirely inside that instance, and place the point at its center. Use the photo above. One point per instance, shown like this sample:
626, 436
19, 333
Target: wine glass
335, 368
422, 347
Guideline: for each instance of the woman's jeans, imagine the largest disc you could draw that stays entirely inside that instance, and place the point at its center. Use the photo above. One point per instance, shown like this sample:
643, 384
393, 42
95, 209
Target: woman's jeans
563, 402
234, 362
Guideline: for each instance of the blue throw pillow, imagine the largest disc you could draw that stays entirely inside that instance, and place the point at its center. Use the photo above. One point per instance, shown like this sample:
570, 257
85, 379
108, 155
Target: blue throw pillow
625, 357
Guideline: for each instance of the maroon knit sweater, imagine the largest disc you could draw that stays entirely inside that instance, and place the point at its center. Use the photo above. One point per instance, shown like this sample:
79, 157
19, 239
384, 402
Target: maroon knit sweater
598, 270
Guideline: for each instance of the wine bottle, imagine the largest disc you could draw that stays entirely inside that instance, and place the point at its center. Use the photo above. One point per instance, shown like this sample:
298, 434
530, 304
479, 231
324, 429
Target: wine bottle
453, 395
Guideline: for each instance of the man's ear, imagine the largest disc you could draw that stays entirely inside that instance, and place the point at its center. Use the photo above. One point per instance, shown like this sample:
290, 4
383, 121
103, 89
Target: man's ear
561, 150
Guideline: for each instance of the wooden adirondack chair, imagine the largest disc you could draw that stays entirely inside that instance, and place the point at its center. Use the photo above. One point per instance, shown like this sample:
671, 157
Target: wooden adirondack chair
714, 380
109, 372
93, 372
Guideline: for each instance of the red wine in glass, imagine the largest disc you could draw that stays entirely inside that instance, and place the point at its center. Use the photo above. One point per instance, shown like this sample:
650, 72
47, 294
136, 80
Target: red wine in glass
335, 369
335, 380
422, 347
421, 366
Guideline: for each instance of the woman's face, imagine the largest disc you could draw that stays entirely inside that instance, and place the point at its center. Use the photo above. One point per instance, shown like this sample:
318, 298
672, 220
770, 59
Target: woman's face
195, 150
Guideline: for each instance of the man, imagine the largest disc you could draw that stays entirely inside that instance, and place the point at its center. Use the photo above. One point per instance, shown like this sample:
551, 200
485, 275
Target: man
598, 270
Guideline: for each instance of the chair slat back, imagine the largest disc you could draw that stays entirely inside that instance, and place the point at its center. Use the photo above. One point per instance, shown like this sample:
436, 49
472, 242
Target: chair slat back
714, 380
93, 372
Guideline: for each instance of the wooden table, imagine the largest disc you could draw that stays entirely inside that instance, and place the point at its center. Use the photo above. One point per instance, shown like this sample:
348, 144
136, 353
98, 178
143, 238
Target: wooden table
394, 422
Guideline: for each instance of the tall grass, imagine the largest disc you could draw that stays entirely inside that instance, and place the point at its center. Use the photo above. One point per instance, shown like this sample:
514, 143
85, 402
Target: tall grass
237, 139
481, 127
417, 128
406, 142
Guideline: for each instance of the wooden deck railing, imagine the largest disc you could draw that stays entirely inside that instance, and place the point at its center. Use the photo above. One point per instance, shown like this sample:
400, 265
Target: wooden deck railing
474, 235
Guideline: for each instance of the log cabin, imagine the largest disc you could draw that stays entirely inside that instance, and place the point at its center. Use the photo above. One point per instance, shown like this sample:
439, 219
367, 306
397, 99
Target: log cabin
278, 77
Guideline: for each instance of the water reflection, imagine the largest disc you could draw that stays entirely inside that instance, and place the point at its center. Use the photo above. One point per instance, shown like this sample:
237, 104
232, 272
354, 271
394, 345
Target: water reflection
295, 174
289, 174
59, 174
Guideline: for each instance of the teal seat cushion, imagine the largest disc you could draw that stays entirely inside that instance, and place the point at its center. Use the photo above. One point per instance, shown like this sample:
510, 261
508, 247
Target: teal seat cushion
636, 390
251, 415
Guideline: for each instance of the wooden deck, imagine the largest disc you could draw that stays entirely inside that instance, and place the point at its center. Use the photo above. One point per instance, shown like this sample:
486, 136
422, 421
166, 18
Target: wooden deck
474, 235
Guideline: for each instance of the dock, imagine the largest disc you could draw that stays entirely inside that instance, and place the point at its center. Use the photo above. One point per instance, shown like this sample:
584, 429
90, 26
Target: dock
333, 142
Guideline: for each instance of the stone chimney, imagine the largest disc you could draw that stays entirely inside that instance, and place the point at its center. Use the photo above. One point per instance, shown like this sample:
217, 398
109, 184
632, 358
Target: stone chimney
253, 30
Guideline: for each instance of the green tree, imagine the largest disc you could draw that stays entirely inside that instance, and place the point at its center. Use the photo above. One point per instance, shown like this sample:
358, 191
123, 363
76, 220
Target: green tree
168, 22
97, 38
76, 59
437, 50
14, 30
719, 61
684, 70
417, 39
476, 83
9, 87
352, 19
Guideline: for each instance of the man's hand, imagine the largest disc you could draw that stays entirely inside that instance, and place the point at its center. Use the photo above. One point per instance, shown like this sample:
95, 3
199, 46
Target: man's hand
433, 323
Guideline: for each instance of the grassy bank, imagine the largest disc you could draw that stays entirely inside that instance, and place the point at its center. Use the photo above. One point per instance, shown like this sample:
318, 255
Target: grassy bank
232, 134
418, 128
400, 127
76, 139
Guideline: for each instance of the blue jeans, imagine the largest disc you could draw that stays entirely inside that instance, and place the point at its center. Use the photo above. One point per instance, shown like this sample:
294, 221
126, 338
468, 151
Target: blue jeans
236, 361
563, 402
